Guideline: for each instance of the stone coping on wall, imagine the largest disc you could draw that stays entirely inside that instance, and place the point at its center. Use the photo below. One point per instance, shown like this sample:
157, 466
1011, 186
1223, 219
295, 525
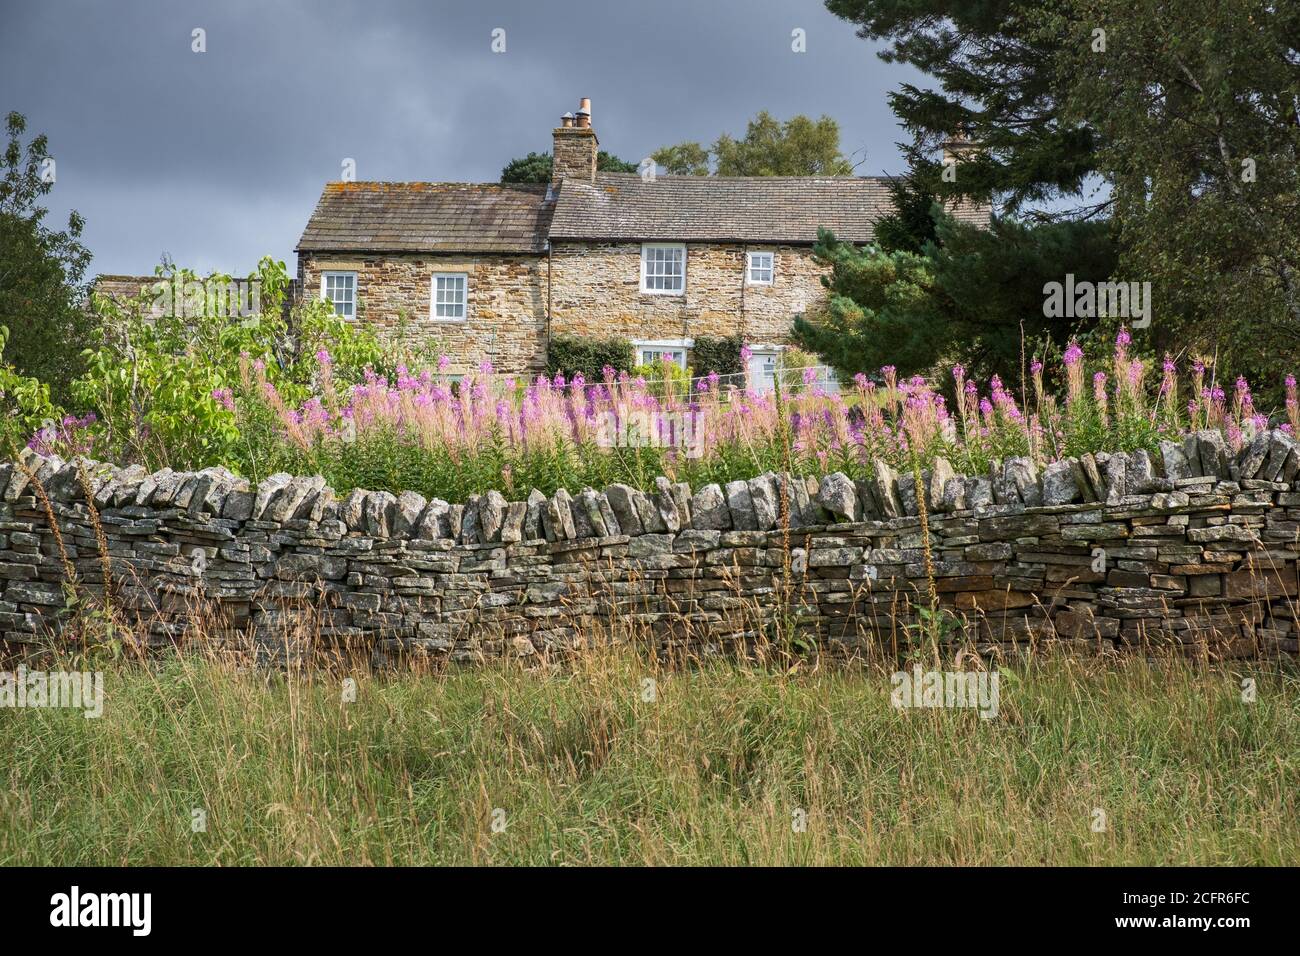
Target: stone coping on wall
1200, 464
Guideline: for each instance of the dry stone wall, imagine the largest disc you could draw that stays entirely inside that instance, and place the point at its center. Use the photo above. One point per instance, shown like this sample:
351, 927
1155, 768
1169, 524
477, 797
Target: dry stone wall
1191, 550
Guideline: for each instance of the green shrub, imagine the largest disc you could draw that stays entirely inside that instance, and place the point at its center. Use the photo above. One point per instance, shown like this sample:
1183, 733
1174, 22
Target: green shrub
719, 354
571, 354
667, 380
162, 387
25, 404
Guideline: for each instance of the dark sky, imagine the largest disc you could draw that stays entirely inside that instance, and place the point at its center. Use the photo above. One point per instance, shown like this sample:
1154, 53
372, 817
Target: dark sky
217, 158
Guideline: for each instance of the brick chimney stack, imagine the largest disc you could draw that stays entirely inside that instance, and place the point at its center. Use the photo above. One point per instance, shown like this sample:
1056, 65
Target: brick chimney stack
575, 146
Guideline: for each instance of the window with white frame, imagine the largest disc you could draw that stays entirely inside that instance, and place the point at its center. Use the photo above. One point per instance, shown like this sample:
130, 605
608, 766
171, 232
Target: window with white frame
759, 268
450, 296
662, 350
340, 290
663, 268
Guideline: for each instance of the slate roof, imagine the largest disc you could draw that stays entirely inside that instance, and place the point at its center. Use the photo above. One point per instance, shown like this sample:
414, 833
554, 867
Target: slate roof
429, 217
784, 209
505, 218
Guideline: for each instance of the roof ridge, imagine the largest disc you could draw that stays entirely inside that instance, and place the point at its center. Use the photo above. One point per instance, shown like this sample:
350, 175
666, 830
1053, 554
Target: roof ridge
399, 184
685, 177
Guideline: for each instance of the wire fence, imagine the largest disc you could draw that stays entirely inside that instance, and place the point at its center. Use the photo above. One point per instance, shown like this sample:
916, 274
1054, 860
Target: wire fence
822, 377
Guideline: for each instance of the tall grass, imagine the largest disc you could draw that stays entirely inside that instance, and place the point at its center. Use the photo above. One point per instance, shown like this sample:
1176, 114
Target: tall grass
712, 770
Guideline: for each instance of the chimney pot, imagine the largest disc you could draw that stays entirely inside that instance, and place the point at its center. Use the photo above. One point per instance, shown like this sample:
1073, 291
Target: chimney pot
575, 147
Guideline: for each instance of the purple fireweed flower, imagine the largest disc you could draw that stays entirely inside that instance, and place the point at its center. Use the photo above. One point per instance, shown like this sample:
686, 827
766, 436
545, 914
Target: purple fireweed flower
1123, 338
746, 353
1073, 354
444, 363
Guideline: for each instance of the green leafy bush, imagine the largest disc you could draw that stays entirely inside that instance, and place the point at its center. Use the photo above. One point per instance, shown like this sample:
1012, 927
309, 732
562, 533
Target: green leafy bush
573, 354
25, 404
666, 380
719, 354
163, 386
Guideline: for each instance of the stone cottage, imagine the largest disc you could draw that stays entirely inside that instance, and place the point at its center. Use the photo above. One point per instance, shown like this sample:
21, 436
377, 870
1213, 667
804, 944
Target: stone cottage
492, 271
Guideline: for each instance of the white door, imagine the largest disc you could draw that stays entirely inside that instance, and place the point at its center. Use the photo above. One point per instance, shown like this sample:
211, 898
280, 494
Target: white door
762, 370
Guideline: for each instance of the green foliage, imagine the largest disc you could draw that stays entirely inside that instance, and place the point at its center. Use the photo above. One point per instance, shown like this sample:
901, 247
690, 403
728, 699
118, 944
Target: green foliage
609, 163
573, 354
912, 224
533, 168
719, 354
25, 404
1187, 115
880, 310
992, 76
973, 295
41, 269
156, 382
800, 146
536, 167
684, 159
1205, 180
668, 381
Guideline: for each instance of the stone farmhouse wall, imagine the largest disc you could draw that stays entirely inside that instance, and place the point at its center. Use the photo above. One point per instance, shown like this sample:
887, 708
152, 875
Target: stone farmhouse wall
597, 292
1193, 550
506, 315
594, 291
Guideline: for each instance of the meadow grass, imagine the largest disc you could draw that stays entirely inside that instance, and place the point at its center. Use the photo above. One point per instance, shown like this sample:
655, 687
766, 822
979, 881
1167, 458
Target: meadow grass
712, 771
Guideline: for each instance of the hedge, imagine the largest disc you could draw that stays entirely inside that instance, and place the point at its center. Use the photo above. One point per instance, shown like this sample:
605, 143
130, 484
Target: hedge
572, 354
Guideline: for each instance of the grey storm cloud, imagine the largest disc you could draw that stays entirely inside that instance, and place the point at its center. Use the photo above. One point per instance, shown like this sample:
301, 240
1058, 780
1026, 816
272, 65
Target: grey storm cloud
217, 158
